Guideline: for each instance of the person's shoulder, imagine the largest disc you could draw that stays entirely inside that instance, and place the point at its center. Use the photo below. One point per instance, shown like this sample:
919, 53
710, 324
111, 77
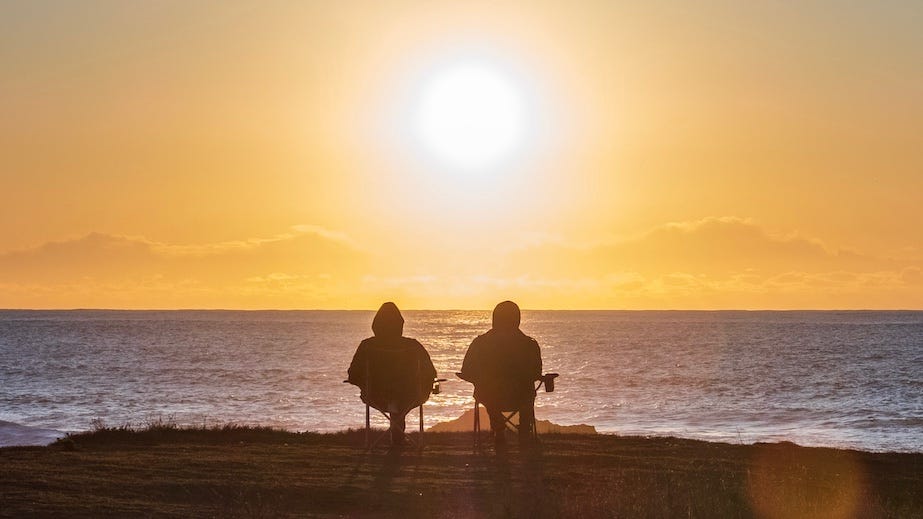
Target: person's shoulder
480, 339
529, 340
411, 342
479, 346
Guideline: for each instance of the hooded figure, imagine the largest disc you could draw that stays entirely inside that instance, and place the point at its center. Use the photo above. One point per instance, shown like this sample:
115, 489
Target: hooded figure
503, 364
394, 372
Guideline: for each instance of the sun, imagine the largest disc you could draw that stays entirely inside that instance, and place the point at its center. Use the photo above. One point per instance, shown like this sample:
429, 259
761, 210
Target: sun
470, 116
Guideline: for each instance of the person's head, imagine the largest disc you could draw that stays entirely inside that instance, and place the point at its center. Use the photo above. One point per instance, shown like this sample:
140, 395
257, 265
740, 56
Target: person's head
506, 316
388, 322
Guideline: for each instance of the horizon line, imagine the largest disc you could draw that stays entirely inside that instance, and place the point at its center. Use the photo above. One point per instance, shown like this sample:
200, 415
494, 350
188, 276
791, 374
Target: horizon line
461, 309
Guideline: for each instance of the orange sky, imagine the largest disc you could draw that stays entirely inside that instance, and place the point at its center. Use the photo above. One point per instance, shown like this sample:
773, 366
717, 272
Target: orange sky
240, 155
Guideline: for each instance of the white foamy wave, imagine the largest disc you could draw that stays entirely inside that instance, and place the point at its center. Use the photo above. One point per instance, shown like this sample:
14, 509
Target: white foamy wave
15, 435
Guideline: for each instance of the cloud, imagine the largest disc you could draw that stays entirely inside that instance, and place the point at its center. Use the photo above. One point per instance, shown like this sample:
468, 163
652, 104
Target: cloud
108, 270
712, 246
715, 262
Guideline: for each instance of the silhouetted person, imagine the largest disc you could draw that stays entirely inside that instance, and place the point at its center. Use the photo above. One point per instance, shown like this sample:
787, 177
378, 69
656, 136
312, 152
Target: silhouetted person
394, 372
503, 364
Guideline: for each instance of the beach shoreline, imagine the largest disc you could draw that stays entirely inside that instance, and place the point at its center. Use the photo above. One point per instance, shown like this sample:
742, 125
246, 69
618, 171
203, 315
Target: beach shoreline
244, 471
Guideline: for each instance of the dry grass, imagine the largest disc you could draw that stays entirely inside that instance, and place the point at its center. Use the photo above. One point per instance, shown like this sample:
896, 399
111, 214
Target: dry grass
255, 472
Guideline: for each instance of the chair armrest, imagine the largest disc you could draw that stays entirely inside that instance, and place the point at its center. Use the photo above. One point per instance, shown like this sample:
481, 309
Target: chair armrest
436, 382
548, 380
462, 376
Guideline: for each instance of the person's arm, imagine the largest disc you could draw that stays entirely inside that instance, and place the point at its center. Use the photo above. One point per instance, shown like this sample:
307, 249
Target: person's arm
471, 365
357, 368
535, 360
427, 370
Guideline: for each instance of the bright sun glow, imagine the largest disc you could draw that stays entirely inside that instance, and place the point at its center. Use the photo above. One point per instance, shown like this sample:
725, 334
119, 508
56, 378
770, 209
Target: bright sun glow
470, 116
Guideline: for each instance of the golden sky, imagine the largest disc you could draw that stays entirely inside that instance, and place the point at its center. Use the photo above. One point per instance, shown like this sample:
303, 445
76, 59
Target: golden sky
701, 155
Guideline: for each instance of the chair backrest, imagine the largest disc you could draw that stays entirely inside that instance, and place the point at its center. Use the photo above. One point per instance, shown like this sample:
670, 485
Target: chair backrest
393, 375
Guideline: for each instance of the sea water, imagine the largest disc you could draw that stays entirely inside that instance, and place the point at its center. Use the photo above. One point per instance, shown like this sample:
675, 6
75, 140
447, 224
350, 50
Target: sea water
843, 379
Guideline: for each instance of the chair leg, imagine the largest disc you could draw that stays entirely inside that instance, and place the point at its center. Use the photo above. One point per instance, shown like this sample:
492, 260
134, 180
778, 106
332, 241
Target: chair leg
370, 443
508, 421
368, 427
420, 436
531, 423
477, 424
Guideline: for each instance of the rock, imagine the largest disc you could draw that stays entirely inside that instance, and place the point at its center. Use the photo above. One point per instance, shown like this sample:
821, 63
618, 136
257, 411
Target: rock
465, 422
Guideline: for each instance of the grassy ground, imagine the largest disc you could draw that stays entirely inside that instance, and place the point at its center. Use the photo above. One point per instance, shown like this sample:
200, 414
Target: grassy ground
246, 472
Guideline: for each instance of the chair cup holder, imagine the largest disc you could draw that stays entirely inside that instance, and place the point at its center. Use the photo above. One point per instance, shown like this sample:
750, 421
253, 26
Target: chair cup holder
548, 380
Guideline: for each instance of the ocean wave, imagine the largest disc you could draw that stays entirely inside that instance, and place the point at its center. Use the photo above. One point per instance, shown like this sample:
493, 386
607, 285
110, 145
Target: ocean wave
13, 434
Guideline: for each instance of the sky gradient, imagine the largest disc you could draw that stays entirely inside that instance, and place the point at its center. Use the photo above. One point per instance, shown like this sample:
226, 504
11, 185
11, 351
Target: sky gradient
257, 155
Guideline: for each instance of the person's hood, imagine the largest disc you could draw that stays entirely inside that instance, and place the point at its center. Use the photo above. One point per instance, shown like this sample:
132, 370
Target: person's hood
388, 321
506, 316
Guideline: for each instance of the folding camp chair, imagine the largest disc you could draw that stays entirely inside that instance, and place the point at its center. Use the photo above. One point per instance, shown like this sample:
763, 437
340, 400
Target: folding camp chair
508, 415
388, 414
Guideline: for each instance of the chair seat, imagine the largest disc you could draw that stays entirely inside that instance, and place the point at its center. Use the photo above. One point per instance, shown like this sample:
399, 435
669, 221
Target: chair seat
510, 411
387, 412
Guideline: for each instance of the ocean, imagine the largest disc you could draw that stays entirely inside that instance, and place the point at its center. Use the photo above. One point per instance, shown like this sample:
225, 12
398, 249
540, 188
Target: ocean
843, 379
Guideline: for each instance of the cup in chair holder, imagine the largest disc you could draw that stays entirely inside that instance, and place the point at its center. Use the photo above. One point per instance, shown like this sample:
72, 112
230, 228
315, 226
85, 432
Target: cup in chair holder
548, 381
